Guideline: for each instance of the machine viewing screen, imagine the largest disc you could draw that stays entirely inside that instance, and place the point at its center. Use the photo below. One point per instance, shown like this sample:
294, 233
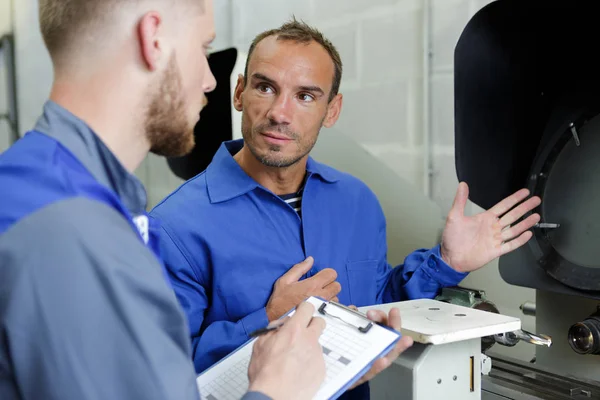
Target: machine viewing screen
571, 198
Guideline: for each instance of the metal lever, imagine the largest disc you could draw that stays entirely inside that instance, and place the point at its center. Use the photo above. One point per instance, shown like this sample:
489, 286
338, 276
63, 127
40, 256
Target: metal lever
512, 338
546, 225
575, 135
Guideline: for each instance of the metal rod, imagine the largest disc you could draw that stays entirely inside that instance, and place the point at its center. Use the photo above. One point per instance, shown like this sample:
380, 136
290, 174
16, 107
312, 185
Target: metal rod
546, 225
574, 133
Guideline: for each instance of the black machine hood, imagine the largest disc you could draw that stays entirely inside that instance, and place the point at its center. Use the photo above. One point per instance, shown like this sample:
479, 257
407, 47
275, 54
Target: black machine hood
527, 100
215, 125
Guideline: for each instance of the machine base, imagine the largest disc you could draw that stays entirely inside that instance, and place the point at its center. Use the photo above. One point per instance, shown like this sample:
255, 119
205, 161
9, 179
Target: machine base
516, 380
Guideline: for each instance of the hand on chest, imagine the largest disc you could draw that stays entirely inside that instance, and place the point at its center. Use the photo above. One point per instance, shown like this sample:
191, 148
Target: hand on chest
259, 268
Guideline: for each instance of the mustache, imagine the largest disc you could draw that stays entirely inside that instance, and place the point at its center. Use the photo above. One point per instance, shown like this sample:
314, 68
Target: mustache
204, 104
279, 128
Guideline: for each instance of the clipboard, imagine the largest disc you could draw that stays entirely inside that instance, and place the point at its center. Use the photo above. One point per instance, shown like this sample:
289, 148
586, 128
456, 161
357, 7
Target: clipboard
351, 344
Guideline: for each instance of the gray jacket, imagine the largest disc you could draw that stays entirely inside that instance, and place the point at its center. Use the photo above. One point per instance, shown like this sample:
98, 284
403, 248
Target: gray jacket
85, 310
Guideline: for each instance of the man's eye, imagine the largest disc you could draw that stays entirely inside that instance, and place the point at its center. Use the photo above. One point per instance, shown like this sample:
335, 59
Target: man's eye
306, 97
264, 88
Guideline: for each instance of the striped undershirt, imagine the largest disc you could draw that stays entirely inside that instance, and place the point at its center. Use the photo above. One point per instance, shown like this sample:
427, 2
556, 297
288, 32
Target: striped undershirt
294, 200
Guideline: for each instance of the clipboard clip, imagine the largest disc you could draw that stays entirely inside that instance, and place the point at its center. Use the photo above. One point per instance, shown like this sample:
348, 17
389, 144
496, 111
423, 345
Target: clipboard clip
363, 329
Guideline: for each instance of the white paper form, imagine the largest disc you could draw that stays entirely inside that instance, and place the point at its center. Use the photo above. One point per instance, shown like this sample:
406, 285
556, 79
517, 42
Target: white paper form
348, 354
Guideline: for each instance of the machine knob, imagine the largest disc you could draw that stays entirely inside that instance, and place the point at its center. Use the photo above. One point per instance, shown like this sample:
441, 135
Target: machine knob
528, 308
584, 337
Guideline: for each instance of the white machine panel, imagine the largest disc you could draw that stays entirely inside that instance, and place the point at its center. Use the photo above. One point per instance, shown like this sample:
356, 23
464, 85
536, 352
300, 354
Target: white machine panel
435, 322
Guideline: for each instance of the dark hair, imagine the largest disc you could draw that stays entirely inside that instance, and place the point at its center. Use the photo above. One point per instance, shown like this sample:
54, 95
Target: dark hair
301, 32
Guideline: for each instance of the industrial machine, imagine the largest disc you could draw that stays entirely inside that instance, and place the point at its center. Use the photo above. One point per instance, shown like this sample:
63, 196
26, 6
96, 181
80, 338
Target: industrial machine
527, 114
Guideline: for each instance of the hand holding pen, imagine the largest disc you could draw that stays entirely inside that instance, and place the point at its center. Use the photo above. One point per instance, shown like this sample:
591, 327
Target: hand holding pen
287, 360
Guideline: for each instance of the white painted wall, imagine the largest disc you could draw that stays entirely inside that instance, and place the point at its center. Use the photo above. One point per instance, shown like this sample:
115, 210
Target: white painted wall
380, 42
5, 16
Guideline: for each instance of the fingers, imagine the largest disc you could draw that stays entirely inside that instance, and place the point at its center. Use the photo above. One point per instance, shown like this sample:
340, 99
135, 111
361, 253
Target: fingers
323, 277
518, 212
377, 316
521, 227
401, 346
301, 317
392, 320
460, 200
514, 244
316, 327
295, 273
505, 205
331, 290
376, 368
261, 340
278, 322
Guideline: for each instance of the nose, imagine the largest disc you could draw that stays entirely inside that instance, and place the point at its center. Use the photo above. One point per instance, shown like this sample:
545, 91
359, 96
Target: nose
280, 111
210, 82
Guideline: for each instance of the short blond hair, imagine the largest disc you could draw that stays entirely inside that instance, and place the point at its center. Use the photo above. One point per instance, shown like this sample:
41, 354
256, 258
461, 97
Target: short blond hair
62, 21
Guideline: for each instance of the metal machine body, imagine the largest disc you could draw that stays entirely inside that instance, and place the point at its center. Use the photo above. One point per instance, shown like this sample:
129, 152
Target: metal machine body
425, 371
452, 366
517, 380
558, 372
445, 361
527, 114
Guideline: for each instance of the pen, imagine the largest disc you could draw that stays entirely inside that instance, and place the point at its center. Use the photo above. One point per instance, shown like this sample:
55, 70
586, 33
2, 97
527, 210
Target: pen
262, 331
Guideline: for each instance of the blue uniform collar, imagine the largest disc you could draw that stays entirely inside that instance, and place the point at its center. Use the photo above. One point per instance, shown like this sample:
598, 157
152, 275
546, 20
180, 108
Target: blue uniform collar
86, 146
225, 179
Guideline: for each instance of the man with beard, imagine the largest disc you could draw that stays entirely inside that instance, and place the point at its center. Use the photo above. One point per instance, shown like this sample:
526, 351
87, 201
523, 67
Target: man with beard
265, 225
86, 311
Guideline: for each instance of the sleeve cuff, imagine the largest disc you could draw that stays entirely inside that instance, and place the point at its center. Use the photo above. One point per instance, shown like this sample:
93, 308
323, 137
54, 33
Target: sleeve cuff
442, 272
258, 319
